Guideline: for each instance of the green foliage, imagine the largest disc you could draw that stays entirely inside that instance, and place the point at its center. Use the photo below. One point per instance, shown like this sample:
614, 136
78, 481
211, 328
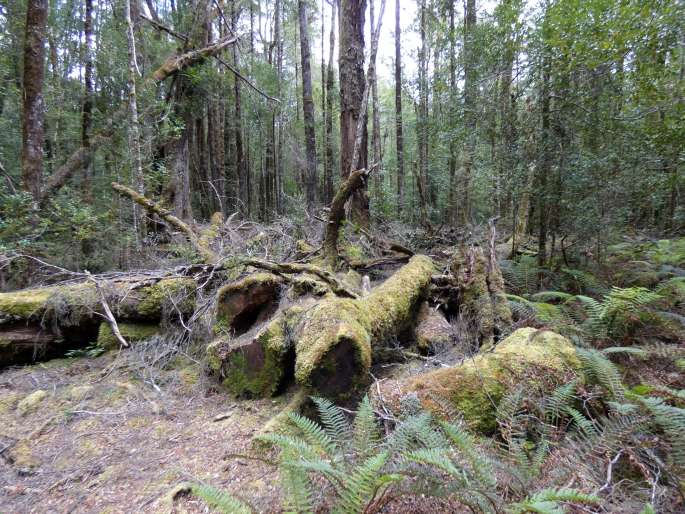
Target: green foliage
550, 501
219, 500
92, 350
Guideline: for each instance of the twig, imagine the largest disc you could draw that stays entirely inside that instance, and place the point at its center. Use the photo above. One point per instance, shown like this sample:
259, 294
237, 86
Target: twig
108, 312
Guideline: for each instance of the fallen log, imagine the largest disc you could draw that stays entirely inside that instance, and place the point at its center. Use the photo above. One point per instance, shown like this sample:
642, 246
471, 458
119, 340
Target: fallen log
36, 321
536, 360
328, 344
433, 332
335, 339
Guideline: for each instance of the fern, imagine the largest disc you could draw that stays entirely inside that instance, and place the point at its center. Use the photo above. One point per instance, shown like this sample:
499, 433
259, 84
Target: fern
366, 436
361, 486
549, 501
334, 421
556, 403
601, 370
672, 421
219, 500
313, 434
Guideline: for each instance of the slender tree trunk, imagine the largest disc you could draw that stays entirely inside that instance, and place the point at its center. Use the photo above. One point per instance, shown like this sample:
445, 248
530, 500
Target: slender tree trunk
87, 109
452, 164
422, 125
134, 125
399, 141
352, 82
545, 162
308, 105
278, 138
242, 177
330, 162
470, 90
376, 124
33, 116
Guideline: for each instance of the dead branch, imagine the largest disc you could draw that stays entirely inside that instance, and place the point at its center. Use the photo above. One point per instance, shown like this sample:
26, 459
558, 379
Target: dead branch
108, 312
201, 247
176, 63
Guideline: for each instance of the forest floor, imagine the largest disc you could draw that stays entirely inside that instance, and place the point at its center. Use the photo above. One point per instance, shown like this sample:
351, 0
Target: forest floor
102, 440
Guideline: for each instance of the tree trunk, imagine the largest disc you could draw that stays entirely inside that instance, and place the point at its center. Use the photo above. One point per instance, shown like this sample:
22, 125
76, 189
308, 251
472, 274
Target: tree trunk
307, 106
134, 125
422, 121
399, 142
376, 124
87, 109
330, 162
453, 95
33, 115
470, 91
352, 80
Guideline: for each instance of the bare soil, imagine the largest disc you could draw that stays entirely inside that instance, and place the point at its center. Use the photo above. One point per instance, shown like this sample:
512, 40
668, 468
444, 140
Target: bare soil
101, 439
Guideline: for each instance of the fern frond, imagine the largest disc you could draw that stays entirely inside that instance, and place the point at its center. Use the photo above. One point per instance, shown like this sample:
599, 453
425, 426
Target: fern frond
334, 421
672, 421
481, 467
438, 458
366, 435
219, 500
288, 443
297, 489
556, 402
548, 501
550, 296
626, 350
361, 485
600, 369
313, 433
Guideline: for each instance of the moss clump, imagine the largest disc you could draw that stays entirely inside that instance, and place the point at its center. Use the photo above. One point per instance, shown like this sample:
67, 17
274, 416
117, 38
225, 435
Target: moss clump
539, 360
256, 366
156, 300
31, 402
23, 305
132, 332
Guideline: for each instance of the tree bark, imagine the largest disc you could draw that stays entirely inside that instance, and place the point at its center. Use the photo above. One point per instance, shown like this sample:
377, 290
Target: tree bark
330, 77
399, 142
87, 108
33, 106
470, 91
375, 120
453, 95
352, 80
134, 125
308, 106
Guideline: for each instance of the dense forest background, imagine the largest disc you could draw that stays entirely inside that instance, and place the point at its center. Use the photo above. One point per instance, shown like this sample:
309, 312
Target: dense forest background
564, 118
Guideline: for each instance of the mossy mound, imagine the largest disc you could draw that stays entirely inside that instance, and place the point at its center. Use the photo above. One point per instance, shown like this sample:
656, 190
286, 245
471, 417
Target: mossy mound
31, 402
535, 359
132, 332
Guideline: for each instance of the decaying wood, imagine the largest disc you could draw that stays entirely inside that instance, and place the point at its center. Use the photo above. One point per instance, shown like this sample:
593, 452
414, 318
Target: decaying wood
538, 360
179, 62
336, 214
200, 246
331, 341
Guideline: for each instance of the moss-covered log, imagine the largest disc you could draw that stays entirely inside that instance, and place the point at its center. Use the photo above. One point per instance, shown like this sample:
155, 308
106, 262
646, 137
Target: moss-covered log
480, 299
38, 321
335, 338
534, 359
257, 364
246, 302
433, 332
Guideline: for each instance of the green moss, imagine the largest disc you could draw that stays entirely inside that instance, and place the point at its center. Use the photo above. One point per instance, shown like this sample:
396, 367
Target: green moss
357, 324
232, 298
156, 299
31, 402
257, 369
642, 389
132, 332
537, 360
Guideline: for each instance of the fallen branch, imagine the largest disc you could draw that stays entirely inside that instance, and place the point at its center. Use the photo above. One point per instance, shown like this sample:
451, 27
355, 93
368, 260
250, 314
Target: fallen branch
111, 320
200, 246
176, 63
